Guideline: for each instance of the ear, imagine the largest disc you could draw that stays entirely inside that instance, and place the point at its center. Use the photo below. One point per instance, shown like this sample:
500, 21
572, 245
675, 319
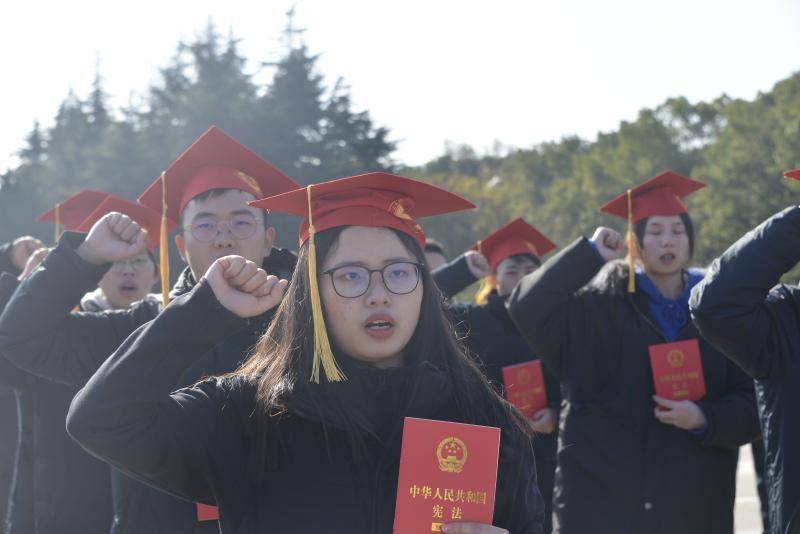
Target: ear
181, 245
269, 240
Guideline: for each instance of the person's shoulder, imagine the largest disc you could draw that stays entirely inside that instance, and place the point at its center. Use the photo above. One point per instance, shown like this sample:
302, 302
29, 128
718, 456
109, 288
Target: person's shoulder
234, 391
610, 282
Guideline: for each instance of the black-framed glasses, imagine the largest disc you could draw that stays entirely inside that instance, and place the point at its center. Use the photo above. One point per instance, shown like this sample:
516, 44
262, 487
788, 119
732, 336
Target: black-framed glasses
206, 229
353, 281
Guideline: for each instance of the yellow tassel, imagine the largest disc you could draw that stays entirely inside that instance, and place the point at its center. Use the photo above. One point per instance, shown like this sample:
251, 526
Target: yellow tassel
323, 354
58, 223
631, 247
485, 289
164, 244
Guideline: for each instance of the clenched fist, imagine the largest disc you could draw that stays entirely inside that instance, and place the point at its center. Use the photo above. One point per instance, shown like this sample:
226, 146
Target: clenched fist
21, 250
610, 244
478, 264
33, 262
243, 287
115, 237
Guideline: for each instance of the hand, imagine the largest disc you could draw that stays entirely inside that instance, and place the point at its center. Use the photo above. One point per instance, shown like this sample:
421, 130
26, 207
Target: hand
682, 414
472, 528
477, 263
544, 421
33, 262
244, 288
609, 243
115, 237
21, 250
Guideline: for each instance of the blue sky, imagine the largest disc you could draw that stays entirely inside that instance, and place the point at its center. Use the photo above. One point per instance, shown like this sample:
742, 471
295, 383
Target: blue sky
521, 72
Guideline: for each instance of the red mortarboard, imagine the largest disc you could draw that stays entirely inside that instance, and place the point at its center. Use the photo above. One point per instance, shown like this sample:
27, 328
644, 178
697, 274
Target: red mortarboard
214, 161
147, 218
372, 199
515, 237
70, 212
660, 195
794, 174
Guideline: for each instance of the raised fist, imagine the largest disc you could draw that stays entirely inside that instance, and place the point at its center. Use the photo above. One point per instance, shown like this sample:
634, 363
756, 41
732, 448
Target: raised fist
33, 262
244, 288
477, 263
115, 237
609, 243
21, 250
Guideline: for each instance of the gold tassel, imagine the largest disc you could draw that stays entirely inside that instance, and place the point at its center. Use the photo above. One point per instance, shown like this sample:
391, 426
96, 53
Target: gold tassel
323, 354
164, 244
58, 222
631, 247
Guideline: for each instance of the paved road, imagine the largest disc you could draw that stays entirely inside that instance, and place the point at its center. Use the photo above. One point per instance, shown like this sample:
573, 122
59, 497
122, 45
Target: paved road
748, 519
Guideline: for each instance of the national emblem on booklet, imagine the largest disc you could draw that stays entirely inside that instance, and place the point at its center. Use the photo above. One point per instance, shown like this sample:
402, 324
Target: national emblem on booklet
524, 387
448, 474
678, 370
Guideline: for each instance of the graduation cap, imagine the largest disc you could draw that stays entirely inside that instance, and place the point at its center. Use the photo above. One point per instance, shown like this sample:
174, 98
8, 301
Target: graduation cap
375, 199
794, 174
148, 218
214, 161
513, 238
661, 195
70, 212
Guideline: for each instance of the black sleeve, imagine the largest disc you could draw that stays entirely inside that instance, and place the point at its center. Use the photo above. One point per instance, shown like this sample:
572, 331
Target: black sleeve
733, 418
10, 375
39, 332
520, 508
545, 307
733, 308
5, 259
454, 277
127, 416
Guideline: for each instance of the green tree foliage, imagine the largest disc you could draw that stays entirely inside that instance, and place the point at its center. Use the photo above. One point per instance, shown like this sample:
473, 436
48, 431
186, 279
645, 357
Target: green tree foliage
304, 127
311, 131
739, 148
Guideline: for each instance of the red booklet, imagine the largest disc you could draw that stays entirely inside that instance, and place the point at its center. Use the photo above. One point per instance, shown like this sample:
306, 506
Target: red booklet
448, 474
678, 370
524, 385
207, 513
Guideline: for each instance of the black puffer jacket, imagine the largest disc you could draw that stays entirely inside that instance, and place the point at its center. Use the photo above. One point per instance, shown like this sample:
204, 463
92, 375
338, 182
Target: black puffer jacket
198, 443
495, 341
620, 470
739, 308
68, 347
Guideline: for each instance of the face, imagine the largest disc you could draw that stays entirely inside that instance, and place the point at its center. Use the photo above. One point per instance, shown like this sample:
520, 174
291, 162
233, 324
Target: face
376, 326
510, 271
665, 246
129, 281
434, 260
214, 227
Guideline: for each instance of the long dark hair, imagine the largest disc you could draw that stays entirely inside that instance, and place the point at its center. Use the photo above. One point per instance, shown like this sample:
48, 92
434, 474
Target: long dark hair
640, 227
280, 365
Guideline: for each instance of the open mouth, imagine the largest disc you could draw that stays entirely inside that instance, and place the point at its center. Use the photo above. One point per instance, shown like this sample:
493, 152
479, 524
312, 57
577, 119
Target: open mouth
667, 258
379, 326
128, 289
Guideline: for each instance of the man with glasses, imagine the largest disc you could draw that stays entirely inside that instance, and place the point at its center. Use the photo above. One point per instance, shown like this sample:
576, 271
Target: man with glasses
205, 192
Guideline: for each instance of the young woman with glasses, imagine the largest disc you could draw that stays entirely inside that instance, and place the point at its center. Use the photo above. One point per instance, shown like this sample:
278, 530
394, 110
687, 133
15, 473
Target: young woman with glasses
306, 435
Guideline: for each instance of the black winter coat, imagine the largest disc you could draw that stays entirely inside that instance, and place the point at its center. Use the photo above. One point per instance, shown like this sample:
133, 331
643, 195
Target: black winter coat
620, 470
68, 347
199, 442
739, 308
17, 475
494, 340
71, 491
9, 436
